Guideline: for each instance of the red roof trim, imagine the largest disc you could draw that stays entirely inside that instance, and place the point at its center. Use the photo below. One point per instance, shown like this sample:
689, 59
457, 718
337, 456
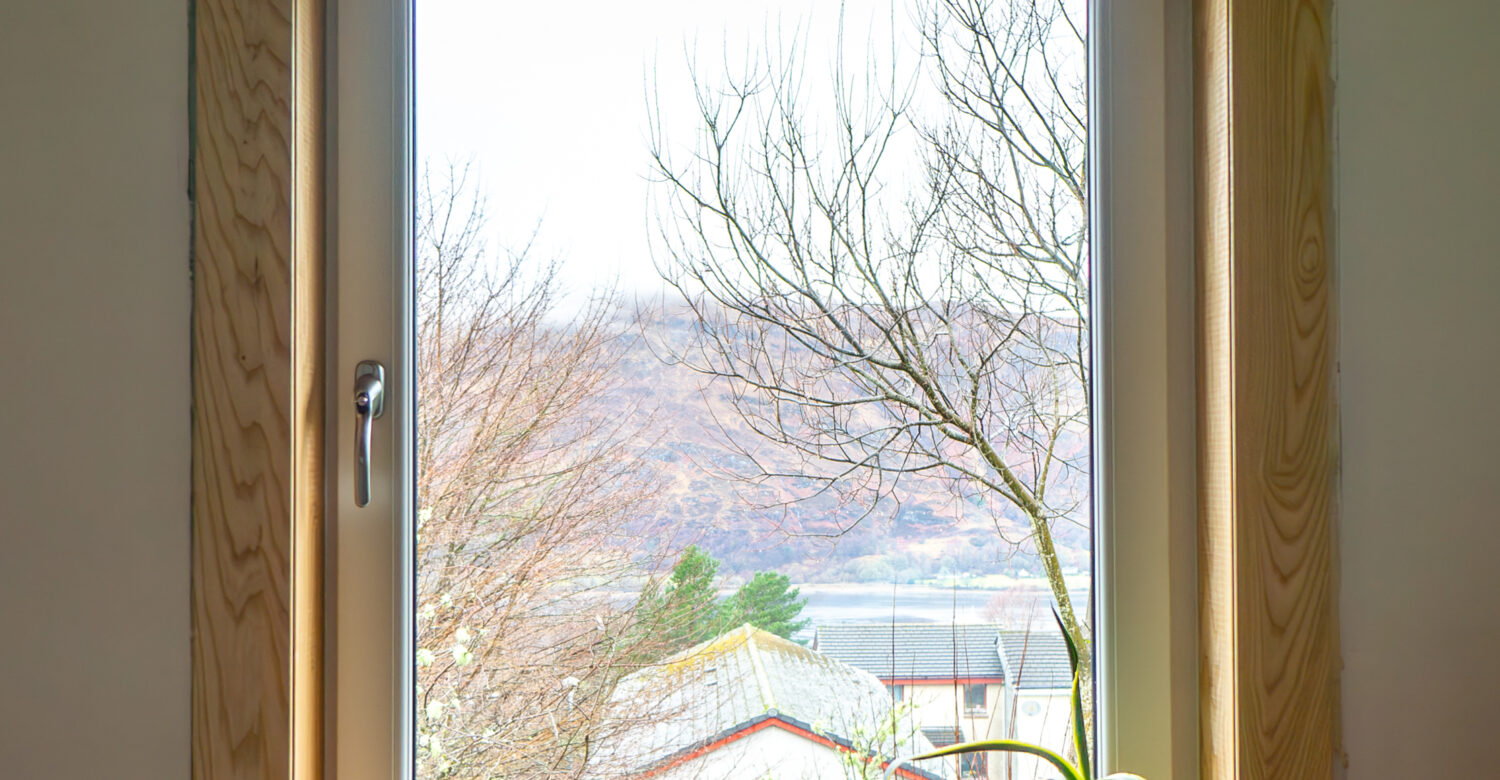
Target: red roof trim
776, 721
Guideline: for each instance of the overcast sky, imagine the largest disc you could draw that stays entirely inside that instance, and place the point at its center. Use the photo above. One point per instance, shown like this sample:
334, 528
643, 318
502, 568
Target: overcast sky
548, 99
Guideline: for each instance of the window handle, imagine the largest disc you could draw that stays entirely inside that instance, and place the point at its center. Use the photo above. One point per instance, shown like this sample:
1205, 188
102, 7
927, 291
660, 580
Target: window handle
369, 403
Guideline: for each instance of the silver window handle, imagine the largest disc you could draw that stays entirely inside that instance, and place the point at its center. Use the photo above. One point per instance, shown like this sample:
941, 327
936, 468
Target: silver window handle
369, 403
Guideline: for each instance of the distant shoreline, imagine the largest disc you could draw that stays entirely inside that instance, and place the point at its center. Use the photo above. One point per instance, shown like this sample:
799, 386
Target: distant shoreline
996, 584
1023, 603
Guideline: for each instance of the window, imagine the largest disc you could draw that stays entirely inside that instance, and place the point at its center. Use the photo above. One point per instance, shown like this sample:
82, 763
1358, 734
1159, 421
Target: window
973, 765
376, 625
898, 692
689, 432
974, 698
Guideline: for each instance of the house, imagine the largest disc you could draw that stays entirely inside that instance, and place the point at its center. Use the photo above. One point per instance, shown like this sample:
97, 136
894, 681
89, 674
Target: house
951, 675
748, 705
967, 682
1037, 703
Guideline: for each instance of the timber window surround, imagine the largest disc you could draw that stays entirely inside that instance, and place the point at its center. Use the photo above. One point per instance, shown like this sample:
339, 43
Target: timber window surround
1268, 458
264, 383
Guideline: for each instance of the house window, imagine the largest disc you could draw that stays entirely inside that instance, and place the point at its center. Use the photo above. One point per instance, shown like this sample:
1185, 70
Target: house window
898, 692
974, 700
973, 765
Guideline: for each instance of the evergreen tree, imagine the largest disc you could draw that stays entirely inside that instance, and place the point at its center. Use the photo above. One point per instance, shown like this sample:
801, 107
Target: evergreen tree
685, 611
768, 602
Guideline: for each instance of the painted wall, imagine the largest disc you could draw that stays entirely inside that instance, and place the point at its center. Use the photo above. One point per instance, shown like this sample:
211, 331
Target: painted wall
94, 349
1418, 186
935, 706
1041, 717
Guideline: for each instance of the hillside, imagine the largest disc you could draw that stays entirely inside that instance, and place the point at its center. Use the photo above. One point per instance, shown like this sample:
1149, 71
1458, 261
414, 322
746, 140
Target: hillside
920, 532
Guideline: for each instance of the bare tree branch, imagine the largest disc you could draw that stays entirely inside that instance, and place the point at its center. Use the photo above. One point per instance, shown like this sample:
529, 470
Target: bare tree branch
874, 325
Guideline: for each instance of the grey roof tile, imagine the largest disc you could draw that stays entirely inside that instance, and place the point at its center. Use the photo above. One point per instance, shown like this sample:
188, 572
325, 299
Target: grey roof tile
1032, 659
1036, 659
715, 688
941, 736
929, 651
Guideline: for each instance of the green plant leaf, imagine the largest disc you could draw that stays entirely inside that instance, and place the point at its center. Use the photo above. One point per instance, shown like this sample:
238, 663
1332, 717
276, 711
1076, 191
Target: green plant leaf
1080, 730
1069, 771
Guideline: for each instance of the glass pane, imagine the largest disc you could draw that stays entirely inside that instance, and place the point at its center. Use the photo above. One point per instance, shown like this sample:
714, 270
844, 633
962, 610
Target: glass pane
974, 697
753, 400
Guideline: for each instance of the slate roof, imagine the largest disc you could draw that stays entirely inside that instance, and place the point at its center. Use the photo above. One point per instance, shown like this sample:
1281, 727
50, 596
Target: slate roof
739, 679
920, 651
1036, 659
941, 736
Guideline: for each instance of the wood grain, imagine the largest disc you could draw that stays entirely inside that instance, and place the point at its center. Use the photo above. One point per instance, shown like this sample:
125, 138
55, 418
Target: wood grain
257, 393
1215, 378
1267, 428
308, 389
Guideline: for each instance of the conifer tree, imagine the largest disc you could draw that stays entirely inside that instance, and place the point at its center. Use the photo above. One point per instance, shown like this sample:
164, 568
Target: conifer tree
768, 602
685, 610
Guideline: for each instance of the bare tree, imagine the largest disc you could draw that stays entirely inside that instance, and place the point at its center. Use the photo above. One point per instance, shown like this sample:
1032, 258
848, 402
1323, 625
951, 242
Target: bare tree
528, 481
892, 280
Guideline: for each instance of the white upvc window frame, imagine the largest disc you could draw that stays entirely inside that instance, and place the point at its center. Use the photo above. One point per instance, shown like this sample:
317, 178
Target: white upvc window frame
1144, 441
369, 666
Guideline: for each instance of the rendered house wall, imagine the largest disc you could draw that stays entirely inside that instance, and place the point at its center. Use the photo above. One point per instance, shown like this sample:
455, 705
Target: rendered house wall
767, 753
935, 706
1038, 716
